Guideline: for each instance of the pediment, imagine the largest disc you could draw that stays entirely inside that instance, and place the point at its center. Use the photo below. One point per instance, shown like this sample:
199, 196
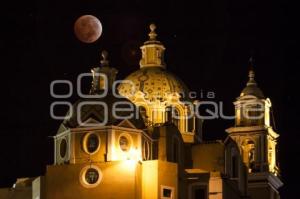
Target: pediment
91, 122
126, 124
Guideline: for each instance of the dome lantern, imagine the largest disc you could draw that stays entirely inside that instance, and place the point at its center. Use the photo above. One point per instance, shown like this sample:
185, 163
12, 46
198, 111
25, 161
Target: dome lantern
152, 51
103, 76
152, 80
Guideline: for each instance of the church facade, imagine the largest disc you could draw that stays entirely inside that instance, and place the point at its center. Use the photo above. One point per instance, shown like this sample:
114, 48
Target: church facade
142, 139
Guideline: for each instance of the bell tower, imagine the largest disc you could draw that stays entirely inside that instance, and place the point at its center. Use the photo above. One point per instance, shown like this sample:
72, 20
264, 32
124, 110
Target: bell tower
256, 138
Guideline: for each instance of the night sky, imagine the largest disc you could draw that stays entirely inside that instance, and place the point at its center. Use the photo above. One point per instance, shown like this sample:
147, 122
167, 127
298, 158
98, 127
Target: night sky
208, 45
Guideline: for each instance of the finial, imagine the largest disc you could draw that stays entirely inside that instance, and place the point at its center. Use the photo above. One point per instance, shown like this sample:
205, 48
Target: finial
104, 61
99, 81
251, 63
152, 34
251, 72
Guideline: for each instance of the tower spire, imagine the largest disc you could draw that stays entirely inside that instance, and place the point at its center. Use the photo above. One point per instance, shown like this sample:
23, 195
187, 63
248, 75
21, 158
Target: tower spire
251, 63
251, 75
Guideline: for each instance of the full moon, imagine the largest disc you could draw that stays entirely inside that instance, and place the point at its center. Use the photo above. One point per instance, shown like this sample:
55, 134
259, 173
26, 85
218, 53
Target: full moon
88, 28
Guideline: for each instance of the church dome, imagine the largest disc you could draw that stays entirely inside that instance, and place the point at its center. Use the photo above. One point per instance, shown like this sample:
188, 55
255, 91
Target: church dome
154, 82
152, 79
252, 88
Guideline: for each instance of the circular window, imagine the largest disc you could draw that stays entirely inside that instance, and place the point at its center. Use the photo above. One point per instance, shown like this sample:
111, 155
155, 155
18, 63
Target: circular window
90, 176
125, 142
91, 143
63, 148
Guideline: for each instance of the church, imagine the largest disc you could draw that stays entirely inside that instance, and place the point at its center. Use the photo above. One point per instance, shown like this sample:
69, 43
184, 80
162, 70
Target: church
141, 138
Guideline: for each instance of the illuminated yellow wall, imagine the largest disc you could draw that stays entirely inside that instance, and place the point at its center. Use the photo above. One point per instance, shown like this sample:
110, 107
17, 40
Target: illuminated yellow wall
158, 173
216, 186
150, 180
120, 180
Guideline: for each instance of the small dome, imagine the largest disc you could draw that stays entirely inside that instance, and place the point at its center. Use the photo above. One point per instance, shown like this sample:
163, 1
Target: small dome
154, 82
252, 88
102, 109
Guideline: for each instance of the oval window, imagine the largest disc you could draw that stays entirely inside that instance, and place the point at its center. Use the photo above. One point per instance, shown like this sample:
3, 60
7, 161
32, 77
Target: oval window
146, 151
92, 143
124, 143
63, 148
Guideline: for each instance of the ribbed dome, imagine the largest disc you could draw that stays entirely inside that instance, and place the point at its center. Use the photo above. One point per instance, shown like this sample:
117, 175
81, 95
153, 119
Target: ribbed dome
154, 82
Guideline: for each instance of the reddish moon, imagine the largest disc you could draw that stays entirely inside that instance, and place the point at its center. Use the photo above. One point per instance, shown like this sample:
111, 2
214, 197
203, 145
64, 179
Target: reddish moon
88, 28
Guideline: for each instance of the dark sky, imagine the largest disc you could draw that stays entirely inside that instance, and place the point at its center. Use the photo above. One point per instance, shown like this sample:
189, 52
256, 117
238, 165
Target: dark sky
208, 44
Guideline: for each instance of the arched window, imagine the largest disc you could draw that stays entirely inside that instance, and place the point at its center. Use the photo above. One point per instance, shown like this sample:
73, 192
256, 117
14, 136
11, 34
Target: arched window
169, 114
63, 148
248, 147
146, 150
176, 117
143, 113
251, 155
256, 115
234, 167
234, 163
191, 124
